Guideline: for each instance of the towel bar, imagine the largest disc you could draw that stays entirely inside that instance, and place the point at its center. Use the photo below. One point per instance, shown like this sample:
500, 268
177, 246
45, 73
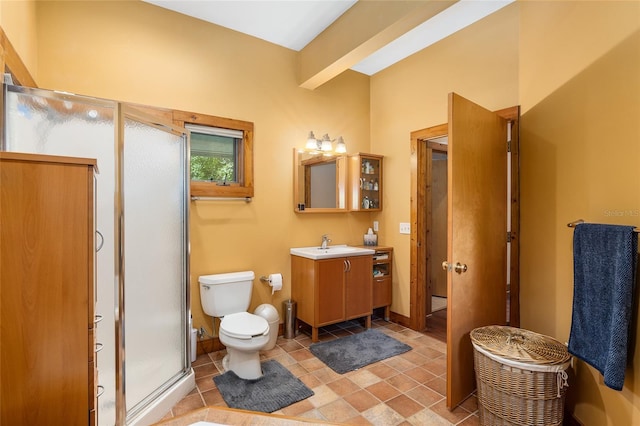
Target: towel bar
579, 221
199, 198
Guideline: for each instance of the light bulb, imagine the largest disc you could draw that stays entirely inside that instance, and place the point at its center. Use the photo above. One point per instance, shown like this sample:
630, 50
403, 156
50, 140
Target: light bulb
326, 143
312, 142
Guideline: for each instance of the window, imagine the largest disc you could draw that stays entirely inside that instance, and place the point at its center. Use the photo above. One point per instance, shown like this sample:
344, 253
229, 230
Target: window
214, 154
221, 155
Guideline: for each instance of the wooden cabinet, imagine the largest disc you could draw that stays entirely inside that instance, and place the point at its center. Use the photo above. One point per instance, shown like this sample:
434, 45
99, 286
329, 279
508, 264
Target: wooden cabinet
331, 290
365, 186
382, 273
47, 252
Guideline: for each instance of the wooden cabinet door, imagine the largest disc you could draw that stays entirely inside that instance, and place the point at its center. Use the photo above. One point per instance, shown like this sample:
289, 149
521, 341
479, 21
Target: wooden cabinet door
366, 182
330, 297
358, 286
45, 268
381, 292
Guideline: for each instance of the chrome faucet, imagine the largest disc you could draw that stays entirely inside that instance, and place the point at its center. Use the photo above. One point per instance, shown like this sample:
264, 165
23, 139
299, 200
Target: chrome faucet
325, 241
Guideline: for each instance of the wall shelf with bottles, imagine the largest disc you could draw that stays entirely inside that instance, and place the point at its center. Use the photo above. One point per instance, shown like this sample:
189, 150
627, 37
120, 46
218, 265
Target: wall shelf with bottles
365, 174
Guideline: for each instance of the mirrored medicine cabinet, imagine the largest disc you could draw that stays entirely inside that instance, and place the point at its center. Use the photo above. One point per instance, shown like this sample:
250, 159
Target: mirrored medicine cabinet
319, 182
336, 183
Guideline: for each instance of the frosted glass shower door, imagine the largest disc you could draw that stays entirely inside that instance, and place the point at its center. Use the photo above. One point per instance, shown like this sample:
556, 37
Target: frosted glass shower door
155, 266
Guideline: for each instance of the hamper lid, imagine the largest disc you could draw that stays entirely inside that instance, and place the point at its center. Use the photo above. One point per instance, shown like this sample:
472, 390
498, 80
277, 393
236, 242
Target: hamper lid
520, 345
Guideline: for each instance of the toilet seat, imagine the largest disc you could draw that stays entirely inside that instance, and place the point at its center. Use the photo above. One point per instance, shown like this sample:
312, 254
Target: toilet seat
243, 325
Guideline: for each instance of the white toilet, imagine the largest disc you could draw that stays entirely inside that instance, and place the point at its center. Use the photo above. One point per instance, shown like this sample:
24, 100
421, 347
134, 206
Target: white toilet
227, 296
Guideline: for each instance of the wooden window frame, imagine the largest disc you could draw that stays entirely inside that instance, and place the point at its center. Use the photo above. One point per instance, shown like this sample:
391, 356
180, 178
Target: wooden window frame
244, 186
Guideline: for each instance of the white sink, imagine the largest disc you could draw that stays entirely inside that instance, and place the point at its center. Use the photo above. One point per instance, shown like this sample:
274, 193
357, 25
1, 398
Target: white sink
317, 253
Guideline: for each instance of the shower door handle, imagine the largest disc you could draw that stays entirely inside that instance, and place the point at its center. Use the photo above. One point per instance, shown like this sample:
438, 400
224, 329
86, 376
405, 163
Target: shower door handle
101, 240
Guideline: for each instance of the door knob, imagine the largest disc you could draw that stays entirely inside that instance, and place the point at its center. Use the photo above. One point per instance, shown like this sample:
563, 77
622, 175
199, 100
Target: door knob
459, 267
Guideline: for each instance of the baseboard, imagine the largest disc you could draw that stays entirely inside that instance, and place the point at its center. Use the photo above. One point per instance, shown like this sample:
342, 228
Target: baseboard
206, 346
569, 420
212, 344
400, 319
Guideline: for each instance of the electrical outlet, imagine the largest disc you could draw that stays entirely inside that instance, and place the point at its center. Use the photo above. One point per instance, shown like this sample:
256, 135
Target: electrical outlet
375, 225
405, 228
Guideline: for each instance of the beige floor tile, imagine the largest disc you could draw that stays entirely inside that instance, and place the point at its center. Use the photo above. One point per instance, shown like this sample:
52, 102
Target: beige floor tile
363, 378
394, 391
326, 375
338, 411
382, 415
323, 396
382, 370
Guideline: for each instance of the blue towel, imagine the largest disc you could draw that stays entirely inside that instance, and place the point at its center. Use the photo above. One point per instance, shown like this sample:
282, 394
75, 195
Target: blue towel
604, 267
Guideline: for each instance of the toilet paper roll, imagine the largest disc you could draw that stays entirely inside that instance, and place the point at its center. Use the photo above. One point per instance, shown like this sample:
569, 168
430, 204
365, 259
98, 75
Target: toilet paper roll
275, 281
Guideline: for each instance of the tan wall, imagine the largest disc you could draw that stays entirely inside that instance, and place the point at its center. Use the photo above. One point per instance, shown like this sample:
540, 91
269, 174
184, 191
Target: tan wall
140, 53
574, 67
479, 63
18, 21
580, 97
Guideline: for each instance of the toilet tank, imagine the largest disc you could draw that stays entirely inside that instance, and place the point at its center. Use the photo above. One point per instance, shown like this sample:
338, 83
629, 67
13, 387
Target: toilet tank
224, 294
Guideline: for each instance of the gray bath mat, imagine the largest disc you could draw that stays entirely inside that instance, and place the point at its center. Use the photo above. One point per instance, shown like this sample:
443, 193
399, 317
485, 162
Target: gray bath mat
355, 351
276, 389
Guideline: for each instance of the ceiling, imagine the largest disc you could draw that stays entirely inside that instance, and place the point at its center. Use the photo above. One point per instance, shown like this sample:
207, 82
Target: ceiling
295, 23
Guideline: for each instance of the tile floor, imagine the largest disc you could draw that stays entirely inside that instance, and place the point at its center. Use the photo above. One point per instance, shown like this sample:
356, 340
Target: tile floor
408, 389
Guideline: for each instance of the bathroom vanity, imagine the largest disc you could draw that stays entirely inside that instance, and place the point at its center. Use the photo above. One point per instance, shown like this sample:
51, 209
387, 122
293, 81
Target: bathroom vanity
331, 287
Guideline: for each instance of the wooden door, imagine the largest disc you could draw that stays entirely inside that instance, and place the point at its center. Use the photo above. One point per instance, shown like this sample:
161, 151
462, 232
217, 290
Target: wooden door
330, 299
477, 223
358, 286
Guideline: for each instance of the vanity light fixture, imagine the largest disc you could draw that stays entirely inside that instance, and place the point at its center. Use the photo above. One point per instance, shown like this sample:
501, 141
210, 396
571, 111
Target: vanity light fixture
325, 145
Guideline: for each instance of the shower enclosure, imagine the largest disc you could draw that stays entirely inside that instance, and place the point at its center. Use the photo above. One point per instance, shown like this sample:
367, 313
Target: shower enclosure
142, 222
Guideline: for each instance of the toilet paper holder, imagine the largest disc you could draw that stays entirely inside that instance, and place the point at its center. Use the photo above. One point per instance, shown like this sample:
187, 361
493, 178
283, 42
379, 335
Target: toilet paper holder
274, 281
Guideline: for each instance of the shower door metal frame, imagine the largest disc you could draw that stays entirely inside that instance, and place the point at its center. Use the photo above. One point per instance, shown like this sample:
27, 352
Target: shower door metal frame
123, 111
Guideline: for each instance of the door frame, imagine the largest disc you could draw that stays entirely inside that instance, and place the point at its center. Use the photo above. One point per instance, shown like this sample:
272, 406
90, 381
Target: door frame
420, 197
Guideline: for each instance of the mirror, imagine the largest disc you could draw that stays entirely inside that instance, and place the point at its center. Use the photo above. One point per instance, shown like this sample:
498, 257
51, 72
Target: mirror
319, 182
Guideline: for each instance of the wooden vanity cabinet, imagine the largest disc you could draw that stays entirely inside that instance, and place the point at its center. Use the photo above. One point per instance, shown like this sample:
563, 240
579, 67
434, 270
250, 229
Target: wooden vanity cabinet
47, 252
329, 291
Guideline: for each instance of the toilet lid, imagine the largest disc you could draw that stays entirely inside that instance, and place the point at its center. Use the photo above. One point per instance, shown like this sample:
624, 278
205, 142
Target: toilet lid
243, 325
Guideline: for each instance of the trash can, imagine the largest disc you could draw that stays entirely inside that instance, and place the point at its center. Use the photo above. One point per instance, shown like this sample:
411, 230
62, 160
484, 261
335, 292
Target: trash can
269, 313
521, 377
289, 310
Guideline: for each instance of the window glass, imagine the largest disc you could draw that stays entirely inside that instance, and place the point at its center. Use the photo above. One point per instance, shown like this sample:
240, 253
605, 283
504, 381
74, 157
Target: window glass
215, 154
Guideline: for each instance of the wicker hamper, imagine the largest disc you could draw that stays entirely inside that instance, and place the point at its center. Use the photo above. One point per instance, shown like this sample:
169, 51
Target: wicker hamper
521, 376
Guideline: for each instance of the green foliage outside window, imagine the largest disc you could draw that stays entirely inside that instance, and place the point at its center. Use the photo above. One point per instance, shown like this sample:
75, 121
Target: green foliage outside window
213, 156
216, 169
